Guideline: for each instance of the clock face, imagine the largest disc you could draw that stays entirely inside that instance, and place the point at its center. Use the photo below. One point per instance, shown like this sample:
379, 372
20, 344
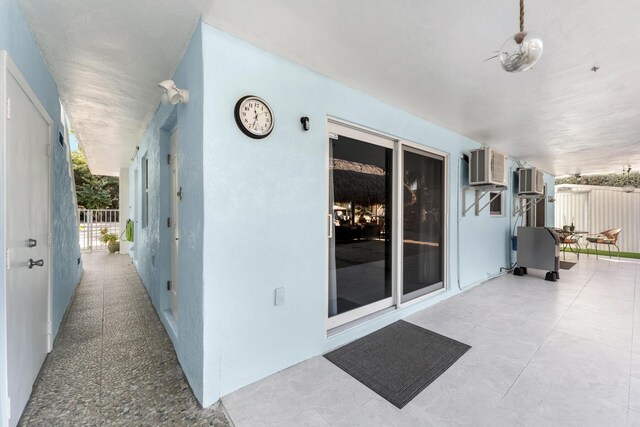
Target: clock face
254, 117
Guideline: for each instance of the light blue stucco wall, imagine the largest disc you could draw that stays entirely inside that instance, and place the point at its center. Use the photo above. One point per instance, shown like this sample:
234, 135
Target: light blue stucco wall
151, 250
65, 252
485, 249
265, 213
253, 214
483, 240
16, 38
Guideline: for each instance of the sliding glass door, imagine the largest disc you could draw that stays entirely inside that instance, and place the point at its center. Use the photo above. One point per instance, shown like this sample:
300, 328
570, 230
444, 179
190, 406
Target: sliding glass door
422, 224
376, 261
360, 205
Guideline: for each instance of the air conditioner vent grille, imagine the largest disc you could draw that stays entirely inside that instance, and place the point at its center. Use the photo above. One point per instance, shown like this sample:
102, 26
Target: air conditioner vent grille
531, 182
487, 167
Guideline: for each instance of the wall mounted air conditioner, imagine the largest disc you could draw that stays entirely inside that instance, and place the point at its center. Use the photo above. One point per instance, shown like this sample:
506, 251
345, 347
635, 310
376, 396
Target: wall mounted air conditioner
531, 182
486, 167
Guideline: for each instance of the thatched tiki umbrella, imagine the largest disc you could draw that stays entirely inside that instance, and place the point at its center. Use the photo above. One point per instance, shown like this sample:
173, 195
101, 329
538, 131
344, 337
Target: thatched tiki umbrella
358, 183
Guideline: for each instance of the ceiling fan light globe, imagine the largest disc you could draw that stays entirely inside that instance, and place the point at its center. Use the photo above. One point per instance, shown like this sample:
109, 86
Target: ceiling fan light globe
535, 50
517, 57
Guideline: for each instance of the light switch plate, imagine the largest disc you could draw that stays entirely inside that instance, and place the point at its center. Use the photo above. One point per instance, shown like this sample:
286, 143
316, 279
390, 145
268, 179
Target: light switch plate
279, 300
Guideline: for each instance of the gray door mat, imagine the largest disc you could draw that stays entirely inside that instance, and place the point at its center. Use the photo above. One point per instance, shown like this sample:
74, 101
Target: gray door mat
566, 265
398, 361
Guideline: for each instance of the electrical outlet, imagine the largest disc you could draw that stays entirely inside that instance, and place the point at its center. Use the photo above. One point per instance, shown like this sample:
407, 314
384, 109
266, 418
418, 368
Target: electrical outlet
279, 297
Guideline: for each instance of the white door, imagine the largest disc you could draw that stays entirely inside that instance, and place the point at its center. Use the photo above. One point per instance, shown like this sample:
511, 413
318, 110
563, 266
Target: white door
27, 181
361, 235
175, 237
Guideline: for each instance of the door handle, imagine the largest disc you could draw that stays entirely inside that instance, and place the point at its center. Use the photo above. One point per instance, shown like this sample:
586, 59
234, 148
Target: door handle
32, 243
38, 263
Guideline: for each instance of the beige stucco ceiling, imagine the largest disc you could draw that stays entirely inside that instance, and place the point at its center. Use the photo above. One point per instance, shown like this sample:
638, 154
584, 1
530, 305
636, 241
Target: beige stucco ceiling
424, 56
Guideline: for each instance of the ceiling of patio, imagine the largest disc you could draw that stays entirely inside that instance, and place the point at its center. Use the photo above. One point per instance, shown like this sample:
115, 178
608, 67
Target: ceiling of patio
107, 58
425, 57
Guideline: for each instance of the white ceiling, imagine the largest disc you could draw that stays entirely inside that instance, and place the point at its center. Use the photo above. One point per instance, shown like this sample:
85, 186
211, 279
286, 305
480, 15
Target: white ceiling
424, 56
107, 58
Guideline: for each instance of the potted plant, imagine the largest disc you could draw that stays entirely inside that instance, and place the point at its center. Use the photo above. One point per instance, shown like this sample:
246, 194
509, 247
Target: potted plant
110, 239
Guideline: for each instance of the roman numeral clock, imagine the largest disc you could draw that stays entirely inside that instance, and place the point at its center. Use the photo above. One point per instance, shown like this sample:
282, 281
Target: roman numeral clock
254, 117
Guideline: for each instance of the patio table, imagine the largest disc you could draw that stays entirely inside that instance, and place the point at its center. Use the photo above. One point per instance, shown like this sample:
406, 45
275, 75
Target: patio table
572, 235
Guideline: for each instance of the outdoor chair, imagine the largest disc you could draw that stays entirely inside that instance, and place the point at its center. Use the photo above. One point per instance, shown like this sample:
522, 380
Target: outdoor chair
569, 240
608, 237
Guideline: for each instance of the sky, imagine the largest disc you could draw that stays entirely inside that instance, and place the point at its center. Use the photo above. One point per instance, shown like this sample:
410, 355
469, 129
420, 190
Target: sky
73, 142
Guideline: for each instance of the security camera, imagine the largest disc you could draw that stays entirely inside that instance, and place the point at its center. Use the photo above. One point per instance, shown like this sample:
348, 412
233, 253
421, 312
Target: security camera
172, 94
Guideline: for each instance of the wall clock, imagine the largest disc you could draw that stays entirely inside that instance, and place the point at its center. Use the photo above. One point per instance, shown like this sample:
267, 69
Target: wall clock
254, 117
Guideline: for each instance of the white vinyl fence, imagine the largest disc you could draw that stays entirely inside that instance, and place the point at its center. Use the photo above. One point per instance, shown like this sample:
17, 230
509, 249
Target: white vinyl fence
595, 209
94, 220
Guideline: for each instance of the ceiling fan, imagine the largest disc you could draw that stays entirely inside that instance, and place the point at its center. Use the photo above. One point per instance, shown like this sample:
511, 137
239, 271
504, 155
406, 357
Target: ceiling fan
521, 51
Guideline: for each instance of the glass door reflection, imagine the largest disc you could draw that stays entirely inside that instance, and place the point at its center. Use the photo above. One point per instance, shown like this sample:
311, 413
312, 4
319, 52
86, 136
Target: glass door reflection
423, 224
360, 248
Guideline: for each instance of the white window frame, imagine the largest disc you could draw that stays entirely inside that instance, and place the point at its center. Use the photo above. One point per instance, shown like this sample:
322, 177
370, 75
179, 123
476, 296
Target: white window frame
492, 213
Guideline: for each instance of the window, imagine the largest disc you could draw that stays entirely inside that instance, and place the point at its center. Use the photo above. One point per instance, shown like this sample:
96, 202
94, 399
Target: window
495, 207
145, 191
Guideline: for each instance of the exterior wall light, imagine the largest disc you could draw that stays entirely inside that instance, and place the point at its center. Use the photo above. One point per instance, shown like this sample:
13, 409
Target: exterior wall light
305, 123
172, 94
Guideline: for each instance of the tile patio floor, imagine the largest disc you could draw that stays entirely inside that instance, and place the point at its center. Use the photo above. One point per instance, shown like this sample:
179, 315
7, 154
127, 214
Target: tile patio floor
112, 362
544, 354
564, 353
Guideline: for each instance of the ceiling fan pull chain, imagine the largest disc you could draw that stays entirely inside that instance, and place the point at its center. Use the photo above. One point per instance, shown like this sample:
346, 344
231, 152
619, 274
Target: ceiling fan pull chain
521, 15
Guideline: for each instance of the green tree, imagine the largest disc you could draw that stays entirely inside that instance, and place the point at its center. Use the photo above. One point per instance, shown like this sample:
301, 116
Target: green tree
93, 195
93, 191
607, 180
